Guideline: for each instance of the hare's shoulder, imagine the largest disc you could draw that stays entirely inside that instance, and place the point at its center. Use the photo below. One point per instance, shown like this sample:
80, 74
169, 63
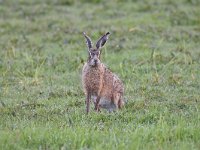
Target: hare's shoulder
85, 67
108, 72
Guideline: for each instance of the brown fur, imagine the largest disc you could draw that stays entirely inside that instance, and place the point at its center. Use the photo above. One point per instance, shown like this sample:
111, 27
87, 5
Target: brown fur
101, 82
98, 81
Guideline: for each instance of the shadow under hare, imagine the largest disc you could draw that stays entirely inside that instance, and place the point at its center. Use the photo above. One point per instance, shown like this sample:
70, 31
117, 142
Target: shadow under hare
99, 83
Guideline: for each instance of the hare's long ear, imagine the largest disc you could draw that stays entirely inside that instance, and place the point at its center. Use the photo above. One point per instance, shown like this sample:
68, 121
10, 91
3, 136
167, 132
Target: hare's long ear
102, 40
88, 41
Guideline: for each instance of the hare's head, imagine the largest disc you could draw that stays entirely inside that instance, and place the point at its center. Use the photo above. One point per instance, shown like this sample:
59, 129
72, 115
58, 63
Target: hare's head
94, 53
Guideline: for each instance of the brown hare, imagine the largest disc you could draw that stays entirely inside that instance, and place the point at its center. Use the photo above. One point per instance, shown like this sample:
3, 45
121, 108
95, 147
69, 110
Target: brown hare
99, 83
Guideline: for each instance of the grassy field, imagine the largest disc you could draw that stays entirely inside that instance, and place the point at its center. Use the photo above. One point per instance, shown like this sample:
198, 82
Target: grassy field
154, 47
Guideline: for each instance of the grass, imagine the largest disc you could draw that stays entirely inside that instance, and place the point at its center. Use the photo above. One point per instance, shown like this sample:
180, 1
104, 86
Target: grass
154, 47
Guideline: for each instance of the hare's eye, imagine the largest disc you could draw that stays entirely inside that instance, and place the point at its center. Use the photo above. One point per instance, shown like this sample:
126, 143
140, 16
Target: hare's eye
91, 54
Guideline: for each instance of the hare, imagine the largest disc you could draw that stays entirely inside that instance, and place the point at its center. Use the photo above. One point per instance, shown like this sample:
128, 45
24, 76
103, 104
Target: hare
99, 83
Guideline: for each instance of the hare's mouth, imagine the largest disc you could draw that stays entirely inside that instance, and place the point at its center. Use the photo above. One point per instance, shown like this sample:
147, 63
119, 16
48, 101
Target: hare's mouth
94, 65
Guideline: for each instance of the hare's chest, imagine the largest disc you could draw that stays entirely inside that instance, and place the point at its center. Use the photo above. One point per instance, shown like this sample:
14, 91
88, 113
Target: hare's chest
93, 81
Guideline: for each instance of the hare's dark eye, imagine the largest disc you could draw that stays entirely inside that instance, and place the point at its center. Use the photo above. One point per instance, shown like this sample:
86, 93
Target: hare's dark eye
91, 54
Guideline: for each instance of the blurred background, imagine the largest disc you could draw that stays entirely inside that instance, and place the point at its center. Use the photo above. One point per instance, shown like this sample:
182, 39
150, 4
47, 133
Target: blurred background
154, 47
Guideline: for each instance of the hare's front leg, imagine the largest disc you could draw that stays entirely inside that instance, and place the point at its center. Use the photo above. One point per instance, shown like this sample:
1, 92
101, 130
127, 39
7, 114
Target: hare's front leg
97, 104
88, 98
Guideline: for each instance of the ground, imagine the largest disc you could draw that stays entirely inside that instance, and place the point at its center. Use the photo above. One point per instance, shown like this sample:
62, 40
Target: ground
154, 47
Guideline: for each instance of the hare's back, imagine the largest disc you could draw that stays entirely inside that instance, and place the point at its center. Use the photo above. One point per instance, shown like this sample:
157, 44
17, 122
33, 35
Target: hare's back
112, 81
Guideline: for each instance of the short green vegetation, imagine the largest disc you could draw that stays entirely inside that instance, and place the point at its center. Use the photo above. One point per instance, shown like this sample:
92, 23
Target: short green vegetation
154, 47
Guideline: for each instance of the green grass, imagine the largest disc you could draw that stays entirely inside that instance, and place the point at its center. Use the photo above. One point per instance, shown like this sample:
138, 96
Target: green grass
154, 47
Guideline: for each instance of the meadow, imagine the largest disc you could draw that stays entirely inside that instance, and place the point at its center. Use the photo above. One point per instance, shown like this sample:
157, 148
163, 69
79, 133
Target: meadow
154, 47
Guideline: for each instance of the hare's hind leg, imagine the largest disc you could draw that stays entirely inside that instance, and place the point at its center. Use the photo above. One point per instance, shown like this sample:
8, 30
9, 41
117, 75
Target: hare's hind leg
121, 103
118, 100
115, 101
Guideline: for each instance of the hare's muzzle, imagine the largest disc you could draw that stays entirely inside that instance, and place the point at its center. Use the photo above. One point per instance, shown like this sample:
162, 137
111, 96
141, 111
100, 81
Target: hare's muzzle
95, 61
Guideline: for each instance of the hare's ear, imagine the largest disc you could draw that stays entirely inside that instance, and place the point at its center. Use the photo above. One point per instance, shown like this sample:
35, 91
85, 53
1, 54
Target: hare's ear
88, 41
102, 40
